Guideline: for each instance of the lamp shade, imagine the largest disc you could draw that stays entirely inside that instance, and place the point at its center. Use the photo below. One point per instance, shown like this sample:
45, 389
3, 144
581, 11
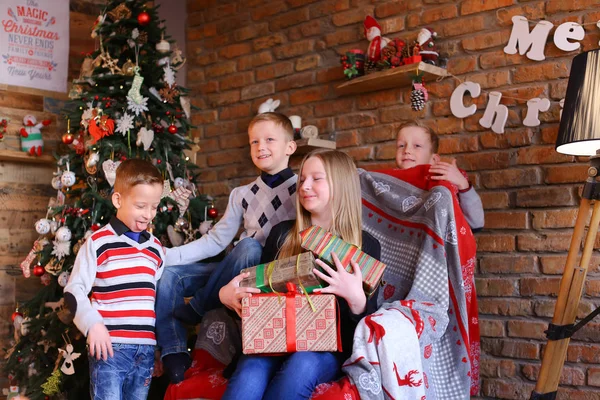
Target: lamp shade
579, 132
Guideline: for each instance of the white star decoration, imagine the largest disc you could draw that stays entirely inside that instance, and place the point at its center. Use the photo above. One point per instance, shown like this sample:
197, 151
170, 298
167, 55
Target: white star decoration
137, 108
124, 123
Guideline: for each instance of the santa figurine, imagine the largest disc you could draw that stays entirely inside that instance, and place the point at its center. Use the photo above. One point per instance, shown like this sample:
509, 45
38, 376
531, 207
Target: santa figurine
31, 136
373, 34
425, 46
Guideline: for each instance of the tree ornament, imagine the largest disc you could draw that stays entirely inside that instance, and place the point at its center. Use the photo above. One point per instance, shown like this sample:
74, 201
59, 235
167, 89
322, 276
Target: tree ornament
213, 212
69, 355
68, 178
128, 68
15, 315
91, 160
52, 385
181, 195
95, 226
169, 76
168, 94
110, 171
97, 25
25, 326
42, 226
418, 96
61, 249
145, 137
124, 124
136, 103
108, 62
53, 226
101, 125
143, 18
181, 224
38, 270
63, 278
45, 279
119, 12
68, 137
57, 183
179, 182
25, 265
163, 46
63, 234
54, 266
172, 129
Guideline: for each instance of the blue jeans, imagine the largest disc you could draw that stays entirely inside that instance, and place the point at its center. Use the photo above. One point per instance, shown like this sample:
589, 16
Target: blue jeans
287, 377
125, 376
201, 280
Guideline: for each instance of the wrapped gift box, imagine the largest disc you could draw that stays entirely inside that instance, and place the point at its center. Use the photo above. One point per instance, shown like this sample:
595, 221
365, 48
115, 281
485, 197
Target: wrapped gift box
286, 323
297, 269
322, 243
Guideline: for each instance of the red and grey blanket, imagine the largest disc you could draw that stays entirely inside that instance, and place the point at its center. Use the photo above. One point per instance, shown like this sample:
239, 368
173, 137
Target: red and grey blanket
423, 341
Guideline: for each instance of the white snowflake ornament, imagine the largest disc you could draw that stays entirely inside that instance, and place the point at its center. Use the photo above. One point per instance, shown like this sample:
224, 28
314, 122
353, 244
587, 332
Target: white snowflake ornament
124, 124
61, 249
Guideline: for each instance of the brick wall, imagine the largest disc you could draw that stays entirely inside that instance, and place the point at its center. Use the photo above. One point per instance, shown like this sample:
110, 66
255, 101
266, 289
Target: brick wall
243, 52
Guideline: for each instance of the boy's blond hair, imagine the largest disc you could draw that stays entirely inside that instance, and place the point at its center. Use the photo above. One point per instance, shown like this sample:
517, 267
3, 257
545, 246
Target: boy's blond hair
278, 119
136, 172
344, 198
435, 141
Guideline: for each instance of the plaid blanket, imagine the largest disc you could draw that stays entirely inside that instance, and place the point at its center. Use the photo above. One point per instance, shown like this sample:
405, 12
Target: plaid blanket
424, 339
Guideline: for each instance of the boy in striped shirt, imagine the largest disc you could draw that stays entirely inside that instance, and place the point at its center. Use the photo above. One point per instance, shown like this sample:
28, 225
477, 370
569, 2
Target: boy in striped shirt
120, 264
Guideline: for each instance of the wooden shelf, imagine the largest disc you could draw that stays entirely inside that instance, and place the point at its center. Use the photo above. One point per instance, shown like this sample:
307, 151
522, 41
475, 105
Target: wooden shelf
21, 156
306, 145
396, 77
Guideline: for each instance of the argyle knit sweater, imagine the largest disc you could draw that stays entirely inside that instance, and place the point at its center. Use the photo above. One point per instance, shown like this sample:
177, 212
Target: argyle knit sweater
121, 275
255, 206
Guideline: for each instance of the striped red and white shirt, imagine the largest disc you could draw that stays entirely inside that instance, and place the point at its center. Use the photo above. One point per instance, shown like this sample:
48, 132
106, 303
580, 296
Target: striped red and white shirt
121, 275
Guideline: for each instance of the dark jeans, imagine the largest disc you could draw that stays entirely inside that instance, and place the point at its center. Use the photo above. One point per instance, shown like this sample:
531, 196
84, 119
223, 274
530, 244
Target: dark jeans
289, 377
201, 280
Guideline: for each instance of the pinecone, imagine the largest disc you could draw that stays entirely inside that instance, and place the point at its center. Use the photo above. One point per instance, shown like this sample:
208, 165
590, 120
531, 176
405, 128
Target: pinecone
417, 100
370, 66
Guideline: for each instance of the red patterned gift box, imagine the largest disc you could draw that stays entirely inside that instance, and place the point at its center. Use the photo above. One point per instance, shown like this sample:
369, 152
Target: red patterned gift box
287, 323
322, 243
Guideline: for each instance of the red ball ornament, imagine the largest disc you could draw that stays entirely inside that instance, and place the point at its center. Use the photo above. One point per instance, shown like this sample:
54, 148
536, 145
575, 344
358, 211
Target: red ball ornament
68, 138
95, 227
143, 18
15, 315
38, 270
159, 161
172, 129
213, 212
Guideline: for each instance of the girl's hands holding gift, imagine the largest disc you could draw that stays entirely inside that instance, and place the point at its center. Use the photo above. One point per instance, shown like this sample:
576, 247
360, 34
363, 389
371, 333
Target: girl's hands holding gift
231, 295
344, 284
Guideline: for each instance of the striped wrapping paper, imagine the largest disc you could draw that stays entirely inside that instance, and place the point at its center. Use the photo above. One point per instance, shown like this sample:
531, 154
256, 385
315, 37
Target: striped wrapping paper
297, 269
322, 243
265, 328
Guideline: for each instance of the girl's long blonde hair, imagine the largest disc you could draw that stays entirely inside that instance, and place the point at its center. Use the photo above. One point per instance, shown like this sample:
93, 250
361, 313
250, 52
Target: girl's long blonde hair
344, 200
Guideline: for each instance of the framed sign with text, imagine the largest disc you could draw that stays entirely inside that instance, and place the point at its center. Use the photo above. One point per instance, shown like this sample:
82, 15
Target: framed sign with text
34, 44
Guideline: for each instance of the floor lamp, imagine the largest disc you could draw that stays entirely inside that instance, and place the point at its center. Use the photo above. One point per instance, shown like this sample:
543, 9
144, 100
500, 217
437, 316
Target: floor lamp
579, 135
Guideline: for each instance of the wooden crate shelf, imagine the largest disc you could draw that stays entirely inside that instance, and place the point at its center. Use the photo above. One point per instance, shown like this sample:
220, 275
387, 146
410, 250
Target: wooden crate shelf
396, 77
21, 156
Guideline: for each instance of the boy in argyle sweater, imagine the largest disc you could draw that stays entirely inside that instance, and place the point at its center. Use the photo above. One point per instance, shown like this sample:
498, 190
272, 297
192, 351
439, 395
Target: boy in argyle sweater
257, 206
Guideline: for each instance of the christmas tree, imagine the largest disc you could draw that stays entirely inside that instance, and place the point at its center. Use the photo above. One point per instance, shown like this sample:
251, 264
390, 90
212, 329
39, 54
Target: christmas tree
125, 104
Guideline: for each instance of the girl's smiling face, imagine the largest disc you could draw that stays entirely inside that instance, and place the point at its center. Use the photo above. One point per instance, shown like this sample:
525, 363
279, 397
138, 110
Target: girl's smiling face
314, 190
